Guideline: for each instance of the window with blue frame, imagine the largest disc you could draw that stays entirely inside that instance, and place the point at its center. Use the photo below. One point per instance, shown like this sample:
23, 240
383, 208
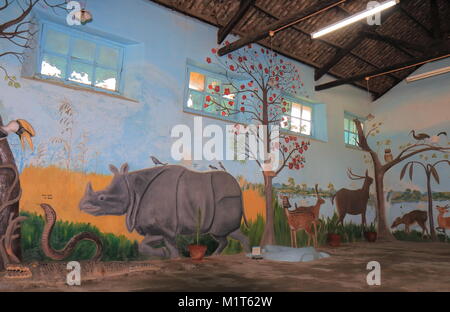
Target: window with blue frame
298, 117
350, 132
206, 91
77, 58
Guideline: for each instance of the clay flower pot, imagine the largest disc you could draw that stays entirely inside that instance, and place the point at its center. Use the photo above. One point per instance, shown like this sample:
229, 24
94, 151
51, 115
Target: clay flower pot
370, 236
334, 240
197, 252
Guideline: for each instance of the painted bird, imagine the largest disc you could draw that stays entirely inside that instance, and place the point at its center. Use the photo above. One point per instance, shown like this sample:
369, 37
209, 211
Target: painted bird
156, 161
22, 128
222, 166
213, 168
419, 136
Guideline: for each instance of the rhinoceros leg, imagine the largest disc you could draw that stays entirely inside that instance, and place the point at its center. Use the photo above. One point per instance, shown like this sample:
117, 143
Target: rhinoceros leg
242, 238
223, 242
146, 247
171, 246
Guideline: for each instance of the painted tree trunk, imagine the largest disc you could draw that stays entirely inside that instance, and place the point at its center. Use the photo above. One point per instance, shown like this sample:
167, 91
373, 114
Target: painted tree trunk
430, 207
6, 180
268, 237
384, 234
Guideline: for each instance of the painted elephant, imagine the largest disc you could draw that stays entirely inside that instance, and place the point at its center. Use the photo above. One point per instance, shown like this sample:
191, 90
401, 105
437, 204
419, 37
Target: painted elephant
162, 202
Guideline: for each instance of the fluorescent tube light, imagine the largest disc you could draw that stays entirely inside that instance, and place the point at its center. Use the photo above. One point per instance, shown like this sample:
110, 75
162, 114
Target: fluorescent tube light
354, 18
432, 73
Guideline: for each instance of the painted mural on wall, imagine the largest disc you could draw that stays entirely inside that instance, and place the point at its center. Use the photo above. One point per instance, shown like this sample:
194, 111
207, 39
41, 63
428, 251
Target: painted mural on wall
72, 208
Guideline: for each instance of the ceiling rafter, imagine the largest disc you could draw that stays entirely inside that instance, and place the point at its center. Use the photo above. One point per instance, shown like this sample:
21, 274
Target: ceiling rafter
341, 53
285, 22
223, 32
396, 67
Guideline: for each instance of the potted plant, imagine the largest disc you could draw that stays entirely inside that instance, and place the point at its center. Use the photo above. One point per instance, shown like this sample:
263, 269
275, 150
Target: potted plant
370, 233
333, 235
197, 252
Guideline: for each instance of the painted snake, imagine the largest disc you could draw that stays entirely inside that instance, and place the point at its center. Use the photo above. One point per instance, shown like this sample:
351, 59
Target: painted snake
50, 218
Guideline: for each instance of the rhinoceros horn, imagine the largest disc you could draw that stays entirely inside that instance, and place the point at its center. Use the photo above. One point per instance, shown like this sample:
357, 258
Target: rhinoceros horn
89, 189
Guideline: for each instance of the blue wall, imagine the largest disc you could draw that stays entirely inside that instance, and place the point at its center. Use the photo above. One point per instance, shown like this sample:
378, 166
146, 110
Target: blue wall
119, 130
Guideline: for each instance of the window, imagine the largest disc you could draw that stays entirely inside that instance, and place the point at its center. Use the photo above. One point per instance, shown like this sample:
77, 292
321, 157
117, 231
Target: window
298, 118
78, 58
350, 132
210, 94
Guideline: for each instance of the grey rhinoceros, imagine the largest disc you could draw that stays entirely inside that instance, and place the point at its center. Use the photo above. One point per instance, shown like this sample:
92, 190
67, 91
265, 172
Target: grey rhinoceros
162, 202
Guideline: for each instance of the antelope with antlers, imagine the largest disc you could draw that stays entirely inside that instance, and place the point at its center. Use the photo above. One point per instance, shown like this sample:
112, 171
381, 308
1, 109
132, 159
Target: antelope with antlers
353, 202
443, 222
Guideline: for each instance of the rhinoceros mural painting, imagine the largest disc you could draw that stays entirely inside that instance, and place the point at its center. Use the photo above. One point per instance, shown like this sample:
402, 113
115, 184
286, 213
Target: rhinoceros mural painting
162, 202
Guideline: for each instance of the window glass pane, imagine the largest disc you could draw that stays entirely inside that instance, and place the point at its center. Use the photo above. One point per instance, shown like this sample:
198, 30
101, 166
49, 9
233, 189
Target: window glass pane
306, 127
306, 113
197, 81
346, 137
81, 73
346, 124
195, 100
228, 91
213, 108
83, 49
108, 56
56, 41
54, 66
295, 124
106, 79
213, 85
352, 126
296, 110
353, 139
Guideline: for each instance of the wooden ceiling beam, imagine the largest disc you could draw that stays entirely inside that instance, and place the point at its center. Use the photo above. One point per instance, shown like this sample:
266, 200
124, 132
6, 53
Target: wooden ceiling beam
415, 20
224, 31
340, 54
435, 22
381, 71
261, 34
397, 43
326, 42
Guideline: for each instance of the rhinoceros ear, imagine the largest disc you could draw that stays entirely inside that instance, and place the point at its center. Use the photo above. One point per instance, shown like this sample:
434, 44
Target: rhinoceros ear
114, 169
124, 168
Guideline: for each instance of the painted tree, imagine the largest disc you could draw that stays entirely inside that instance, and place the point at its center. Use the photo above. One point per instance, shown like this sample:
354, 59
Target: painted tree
258, 82
380, 169
430, 171
17, 30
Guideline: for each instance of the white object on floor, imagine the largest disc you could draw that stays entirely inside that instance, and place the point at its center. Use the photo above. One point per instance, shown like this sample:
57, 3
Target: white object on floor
289, 254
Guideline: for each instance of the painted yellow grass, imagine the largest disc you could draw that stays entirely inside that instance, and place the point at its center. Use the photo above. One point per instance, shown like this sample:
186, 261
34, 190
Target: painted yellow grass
63, 190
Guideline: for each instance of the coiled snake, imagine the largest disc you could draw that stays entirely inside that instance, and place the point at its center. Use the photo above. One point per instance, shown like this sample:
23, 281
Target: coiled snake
50, 218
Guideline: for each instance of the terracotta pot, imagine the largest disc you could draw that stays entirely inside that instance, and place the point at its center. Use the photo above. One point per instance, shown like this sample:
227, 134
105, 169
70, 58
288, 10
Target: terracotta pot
197, 252
334, 240
370, 236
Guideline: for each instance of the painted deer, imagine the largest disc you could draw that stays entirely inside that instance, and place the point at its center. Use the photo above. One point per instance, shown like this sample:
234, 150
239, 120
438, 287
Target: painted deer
300, 221
443, 222
313, 209
353, 202
415, 216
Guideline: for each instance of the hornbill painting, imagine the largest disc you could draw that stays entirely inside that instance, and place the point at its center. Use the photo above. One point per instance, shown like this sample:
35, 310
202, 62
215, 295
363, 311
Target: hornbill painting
20, 127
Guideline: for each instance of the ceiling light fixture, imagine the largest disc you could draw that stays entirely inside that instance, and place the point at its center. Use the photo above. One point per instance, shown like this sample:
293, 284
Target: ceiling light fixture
354, 18
432, 73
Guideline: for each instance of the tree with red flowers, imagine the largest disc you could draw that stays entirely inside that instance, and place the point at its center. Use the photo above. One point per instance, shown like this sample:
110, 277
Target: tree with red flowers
258, 80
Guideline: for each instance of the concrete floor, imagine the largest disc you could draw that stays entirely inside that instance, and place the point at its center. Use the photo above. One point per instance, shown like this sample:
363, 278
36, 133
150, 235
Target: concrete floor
405, 266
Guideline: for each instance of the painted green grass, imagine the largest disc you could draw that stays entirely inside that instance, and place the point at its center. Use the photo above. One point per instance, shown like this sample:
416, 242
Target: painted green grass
115, 248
